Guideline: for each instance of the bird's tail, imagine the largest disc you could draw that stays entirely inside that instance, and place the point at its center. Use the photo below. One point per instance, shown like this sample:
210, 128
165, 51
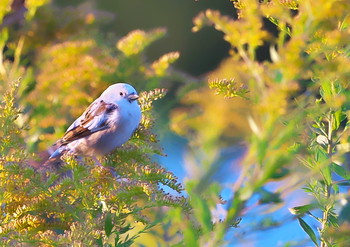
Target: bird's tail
49, 159
54, 160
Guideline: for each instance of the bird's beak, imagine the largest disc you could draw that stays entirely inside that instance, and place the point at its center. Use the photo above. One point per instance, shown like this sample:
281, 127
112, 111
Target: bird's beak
132, 97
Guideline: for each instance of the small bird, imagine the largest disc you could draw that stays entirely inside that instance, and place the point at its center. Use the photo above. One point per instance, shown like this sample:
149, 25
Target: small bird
105, 125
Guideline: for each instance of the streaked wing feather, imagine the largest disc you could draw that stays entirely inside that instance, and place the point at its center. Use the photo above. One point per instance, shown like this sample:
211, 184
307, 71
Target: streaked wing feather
92, 120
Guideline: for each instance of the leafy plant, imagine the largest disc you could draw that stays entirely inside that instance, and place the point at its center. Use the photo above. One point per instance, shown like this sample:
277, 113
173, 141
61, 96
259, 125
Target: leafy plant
298, 115
78, 203
291, 110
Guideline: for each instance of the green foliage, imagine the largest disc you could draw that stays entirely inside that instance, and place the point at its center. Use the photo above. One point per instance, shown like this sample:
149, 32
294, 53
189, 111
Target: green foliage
85, 61
90, 63
299, 111
10, 133
4, 8
308, 230
292, 110
78, 203
88, 205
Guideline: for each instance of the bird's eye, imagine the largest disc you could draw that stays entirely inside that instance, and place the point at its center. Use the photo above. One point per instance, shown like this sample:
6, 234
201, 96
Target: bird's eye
121, 94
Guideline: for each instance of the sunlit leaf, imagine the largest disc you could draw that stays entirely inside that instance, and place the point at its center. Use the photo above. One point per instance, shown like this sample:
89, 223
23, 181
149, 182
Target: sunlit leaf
308, 230
162, 64
137, 40
301, 210
339, 116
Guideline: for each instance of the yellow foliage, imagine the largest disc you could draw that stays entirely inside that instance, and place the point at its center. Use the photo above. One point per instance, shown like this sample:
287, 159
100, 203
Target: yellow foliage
162, 64
33, 5
235, 31
5, 6
71, 76
210, 117
136, 41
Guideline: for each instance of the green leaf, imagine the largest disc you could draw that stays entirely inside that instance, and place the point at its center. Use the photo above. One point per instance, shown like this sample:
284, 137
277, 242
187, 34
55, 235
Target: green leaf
333, 220
308, 230
341, 171
300, 210
345, 214
108, 224
203, 213
125, 229
320, 155
278, 77
99, 242
339, 116
268, 197
326, 91
191, 237
335, 188
280, 173
327, 175
201, 206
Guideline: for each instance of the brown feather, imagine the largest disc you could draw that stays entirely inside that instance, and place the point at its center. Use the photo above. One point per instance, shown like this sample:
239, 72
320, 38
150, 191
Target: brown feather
74, 134
80, 131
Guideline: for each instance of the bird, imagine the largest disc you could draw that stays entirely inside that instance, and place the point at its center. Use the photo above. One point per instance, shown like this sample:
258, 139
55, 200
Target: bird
106, 124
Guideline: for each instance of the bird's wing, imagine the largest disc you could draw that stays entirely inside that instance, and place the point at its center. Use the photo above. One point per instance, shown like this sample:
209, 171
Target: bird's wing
95, 118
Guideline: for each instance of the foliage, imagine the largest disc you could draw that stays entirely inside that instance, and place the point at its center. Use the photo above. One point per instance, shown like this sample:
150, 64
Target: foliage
291, 110
299, 117
86, 61
88, 206
79, 203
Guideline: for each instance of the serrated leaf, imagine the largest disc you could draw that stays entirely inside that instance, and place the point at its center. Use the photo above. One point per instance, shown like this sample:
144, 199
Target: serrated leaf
308, 230
108, 224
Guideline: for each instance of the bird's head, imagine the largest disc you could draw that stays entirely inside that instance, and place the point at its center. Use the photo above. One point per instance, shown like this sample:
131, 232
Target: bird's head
120, 92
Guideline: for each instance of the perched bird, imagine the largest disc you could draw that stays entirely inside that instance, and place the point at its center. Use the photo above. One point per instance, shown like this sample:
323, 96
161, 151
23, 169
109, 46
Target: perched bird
105, 125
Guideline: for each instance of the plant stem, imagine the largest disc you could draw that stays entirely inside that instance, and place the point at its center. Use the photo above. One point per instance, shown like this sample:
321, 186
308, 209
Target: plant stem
253, 68
328, 187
